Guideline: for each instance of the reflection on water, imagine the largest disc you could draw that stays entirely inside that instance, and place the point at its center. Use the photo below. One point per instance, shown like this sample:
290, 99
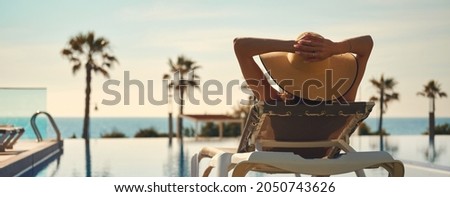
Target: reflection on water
177, 165
411, 148
88, 157
390, 145
183, 162
432, 154
152, 157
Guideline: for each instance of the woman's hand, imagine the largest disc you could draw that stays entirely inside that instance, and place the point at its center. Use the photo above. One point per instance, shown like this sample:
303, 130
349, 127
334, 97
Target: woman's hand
313, 48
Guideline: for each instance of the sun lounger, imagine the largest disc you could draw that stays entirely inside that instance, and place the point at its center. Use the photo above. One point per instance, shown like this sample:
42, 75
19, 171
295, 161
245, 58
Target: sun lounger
9, 136
299, 139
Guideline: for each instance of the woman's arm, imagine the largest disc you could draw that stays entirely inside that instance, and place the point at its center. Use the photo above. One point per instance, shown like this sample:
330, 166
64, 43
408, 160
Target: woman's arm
362, 47
245, 49
313, 48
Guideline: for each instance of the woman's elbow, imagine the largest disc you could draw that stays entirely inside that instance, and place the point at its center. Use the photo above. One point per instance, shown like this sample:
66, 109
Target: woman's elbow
240, 45
369, 42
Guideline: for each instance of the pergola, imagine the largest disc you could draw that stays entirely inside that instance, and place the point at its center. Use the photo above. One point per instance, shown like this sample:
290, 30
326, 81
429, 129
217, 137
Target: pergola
219, 119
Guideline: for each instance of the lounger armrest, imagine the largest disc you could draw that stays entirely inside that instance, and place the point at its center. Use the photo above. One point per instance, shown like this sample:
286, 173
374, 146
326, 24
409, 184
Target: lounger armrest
319, 109
313, 144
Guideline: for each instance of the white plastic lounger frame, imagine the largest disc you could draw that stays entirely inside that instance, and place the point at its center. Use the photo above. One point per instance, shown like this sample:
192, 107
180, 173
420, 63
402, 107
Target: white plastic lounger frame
259, 159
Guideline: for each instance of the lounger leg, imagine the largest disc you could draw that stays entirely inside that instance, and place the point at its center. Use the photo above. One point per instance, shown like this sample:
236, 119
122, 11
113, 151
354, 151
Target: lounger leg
19, 134
360, 173
3, 137
395, 169
194, 166
398, 169
207, 171
241, 169
223, 161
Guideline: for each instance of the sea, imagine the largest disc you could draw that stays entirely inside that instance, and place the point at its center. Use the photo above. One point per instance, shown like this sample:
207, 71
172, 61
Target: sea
71, 127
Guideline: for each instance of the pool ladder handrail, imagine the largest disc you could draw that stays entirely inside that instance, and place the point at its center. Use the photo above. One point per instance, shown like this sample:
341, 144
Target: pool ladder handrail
36, 129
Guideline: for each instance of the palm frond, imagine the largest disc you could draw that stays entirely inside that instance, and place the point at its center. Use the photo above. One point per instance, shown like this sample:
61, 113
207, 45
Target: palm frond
173, 67
110, 58
107, 64
373, 99
100, 44
90, 39
375, 83
195, 67
193, 83
391, 97
66, 52
83, 47
182, 69
432, 89
101, 70
389, 83
76, 68
181, 60
76, 45
74, 59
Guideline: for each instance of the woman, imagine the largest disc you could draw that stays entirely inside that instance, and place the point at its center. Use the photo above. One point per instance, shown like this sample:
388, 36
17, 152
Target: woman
313, 51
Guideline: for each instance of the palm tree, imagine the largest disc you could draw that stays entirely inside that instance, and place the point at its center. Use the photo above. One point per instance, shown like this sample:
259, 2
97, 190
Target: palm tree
93, 53
386, 95
170, 108
184, 78
432, 90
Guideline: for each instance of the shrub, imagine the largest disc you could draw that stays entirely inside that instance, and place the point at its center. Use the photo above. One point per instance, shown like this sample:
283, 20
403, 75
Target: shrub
74, 136
211, 129
113, 134
364, 129
443, 129
189, 132
232, 130
148, 132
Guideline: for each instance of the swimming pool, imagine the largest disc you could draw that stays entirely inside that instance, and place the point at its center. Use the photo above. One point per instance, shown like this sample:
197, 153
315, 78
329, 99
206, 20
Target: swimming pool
152, 157
128, 157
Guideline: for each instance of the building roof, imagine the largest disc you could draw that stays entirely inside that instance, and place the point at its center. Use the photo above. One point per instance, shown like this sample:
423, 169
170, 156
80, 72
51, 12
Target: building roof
211, 118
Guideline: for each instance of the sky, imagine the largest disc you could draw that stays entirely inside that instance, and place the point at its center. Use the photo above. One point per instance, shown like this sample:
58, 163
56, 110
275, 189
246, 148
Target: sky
411, 45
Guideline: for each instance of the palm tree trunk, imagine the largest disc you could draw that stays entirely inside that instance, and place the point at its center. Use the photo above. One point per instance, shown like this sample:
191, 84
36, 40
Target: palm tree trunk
180, 119
170, 109
87, 103
431, 124
380, 124
170, 129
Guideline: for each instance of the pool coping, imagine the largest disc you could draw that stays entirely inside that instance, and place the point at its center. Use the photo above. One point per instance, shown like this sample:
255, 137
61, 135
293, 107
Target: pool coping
27, 157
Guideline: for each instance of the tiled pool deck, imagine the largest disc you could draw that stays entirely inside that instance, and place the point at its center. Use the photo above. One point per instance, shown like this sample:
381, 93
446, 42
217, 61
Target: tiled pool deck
152, 157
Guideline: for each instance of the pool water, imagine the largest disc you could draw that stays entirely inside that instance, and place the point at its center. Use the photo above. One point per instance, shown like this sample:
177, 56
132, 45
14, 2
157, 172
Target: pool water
128, 157
153, 157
